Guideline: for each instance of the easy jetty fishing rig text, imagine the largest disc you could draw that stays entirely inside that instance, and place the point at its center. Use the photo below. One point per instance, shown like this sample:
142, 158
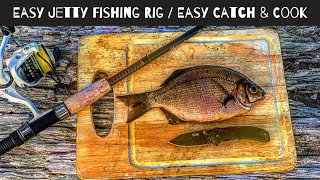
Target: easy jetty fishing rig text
115, 12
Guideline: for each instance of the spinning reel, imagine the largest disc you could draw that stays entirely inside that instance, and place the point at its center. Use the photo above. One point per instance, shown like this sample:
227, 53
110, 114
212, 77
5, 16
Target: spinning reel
26, 68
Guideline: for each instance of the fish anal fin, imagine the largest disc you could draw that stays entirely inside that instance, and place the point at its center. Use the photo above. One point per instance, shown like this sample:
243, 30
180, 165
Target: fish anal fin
172, 119
173, 76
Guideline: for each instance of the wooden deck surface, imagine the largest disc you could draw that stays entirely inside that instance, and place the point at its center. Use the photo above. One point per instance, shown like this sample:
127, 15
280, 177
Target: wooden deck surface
52, 153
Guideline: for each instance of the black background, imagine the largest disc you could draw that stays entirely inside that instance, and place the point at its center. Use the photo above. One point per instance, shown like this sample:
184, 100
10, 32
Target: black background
313, 12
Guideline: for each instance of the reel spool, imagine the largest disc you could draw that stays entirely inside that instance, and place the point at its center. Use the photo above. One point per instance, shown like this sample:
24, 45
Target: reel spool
29, 65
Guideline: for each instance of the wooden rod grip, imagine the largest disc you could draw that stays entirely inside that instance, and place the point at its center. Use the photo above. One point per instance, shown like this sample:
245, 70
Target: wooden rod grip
87, 96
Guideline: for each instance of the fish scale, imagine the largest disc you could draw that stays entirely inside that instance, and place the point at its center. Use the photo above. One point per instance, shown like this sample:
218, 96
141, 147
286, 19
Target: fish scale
200, 100
224, 76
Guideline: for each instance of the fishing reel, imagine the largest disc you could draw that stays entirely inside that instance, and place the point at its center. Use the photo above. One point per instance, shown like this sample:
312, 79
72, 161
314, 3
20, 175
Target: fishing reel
26, 68
29, 65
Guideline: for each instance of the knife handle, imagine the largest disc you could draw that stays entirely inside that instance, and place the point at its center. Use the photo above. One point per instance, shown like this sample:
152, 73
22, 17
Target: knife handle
218, 135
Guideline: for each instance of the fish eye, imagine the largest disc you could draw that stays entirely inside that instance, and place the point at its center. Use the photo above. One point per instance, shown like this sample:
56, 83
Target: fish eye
253, 90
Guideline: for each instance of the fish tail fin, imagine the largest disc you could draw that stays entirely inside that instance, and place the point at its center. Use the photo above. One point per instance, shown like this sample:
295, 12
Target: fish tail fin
137, 104
136, 111
131, 100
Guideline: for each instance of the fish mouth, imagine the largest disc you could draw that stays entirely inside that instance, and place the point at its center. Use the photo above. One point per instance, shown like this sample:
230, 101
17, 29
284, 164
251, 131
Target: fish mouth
262, 96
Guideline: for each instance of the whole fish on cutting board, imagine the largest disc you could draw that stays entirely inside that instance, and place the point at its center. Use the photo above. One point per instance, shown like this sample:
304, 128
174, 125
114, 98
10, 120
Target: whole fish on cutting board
201, 93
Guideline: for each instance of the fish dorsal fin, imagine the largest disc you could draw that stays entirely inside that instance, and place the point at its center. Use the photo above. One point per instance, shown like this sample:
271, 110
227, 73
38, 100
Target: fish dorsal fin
173, 76
217, 73
192, 73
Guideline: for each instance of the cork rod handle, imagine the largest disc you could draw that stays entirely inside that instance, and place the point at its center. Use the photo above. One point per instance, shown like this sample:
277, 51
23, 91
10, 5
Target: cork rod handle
87, 96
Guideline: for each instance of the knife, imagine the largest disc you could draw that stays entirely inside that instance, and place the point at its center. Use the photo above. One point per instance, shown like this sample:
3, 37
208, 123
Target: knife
217, 135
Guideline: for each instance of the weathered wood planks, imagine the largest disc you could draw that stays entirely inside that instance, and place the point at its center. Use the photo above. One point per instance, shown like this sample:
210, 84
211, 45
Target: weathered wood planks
52, 154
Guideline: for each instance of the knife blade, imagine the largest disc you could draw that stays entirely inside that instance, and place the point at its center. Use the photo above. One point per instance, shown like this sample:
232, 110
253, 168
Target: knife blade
217, 135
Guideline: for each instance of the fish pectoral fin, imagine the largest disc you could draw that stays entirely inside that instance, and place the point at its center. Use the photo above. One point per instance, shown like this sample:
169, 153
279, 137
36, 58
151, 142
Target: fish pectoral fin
172, 119
174, 75
228, 99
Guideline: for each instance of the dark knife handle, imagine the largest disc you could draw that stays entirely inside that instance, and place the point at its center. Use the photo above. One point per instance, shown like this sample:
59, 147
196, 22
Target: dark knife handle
218, 135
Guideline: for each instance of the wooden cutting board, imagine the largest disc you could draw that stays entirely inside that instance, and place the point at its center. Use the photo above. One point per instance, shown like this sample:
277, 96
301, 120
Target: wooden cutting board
141, 148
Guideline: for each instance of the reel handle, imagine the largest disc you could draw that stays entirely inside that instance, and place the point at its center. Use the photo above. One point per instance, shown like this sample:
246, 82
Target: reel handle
7, 30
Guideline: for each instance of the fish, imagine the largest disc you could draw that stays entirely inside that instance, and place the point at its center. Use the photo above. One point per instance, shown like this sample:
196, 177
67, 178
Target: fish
199, 94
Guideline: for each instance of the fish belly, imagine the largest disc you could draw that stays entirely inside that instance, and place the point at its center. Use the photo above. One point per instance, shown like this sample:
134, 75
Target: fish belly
199, 100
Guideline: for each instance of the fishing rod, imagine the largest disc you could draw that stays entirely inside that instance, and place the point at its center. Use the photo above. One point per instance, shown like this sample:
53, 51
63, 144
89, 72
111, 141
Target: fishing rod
84, 97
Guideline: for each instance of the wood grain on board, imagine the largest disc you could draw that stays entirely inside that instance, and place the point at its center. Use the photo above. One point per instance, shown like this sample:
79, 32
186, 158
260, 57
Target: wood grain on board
141, 148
